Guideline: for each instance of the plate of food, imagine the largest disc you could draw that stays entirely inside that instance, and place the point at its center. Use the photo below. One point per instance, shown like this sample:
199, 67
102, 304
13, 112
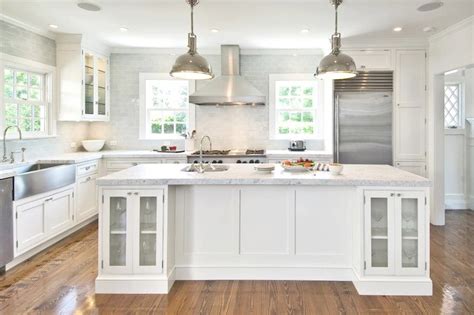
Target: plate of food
300, 165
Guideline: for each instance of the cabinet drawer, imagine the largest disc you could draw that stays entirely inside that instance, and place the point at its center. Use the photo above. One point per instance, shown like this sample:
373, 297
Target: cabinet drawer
87, 168
124, 164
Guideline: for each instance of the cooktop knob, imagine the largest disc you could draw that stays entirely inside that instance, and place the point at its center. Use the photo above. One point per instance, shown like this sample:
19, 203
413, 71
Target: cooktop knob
238, 161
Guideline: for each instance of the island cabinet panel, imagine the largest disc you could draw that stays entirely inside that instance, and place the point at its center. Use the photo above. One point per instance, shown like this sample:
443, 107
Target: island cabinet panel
322, 219
132, 231
211, 219
395, 233
266, 220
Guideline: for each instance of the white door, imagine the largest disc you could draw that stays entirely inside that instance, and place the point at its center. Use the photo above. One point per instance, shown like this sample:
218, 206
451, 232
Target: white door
148, 239
410, 256
86, 198
410, 110
30, 225
117, 210
58, 212
379, 232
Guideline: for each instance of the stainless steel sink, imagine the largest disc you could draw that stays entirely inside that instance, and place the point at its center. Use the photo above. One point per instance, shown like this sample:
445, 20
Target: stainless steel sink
206, 168
35, 179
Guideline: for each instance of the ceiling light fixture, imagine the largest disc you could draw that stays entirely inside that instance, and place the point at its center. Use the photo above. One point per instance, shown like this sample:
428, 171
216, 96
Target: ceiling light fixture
398, 29
214, 30
336, 65
192, 66
123, 29
53, 26
430, 6
305, 30
451, 72
429, 29
88, 6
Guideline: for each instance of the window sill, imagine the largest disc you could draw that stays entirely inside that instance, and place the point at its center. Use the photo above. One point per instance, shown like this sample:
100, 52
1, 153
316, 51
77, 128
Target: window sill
455, 131
162, 139
28, 137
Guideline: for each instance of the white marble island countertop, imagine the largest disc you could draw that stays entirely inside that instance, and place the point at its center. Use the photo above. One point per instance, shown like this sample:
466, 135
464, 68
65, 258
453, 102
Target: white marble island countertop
244, 174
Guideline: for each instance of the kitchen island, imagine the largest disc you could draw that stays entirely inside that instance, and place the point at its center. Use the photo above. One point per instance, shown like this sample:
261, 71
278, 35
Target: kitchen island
158, 224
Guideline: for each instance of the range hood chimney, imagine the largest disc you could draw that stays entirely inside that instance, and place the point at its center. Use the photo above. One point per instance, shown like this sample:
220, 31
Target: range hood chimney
230, 88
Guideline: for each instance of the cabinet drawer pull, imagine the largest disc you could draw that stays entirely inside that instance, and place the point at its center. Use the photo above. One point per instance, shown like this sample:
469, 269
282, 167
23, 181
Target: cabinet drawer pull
129, 193
135, 164
49, 199
88, 168
399, 195
136, 194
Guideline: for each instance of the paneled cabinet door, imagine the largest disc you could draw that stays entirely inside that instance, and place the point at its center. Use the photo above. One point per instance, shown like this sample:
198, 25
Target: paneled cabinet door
86, 198
148, 242
116, 231
96, 99
410, 110
379, 233
410, 233
30, 225
59, 212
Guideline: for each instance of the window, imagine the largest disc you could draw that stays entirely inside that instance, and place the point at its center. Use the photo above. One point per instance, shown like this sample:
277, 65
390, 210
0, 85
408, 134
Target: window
296, 109
25, 101
453, 115
165, 112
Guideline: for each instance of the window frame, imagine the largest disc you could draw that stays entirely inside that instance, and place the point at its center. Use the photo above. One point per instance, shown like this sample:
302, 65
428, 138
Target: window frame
49, 77
461, 105
144, 133
320, 110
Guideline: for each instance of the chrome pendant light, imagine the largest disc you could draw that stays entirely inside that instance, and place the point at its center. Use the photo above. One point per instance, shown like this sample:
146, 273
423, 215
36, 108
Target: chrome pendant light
336, 65
191, 65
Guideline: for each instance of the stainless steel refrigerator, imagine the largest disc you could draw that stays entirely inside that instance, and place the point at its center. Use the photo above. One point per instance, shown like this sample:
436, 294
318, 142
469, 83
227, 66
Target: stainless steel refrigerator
363, 119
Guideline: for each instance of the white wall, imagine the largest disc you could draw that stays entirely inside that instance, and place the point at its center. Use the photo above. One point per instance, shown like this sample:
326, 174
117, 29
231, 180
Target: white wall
450, 49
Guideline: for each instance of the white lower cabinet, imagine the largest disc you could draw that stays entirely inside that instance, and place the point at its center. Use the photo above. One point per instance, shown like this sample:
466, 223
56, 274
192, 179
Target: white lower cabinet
86, 197
394, 233
38, 220
132, 231
418, 168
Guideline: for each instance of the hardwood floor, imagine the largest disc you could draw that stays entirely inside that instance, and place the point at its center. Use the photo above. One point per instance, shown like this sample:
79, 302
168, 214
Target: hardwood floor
60, 280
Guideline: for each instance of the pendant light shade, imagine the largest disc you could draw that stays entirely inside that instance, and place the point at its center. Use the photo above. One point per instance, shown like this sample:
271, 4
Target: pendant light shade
191, 65
336, 65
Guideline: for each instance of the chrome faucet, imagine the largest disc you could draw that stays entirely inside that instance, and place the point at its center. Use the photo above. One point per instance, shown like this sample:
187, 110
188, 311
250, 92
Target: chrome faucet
5, 159
201, 163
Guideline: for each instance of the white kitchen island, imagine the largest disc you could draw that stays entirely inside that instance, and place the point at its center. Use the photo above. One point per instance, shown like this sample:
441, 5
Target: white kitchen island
158, 224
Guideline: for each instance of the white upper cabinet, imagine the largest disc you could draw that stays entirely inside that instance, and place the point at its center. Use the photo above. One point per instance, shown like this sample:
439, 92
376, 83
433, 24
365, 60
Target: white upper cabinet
410, 114
83, 81
371, 59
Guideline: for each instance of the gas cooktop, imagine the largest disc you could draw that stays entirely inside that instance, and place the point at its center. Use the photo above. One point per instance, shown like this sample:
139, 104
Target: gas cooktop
244, 152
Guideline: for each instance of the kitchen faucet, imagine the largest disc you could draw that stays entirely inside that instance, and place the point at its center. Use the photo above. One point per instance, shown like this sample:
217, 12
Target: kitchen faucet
4, 159
201, 164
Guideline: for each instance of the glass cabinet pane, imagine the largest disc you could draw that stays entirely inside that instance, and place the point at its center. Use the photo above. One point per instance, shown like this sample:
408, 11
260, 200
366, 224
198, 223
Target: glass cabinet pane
148, 231
89, 84
379, 231
409, 232
102, 87
118, 231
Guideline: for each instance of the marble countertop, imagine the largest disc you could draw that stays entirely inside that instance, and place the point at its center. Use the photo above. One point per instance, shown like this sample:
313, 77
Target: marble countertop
242, 174
296, 154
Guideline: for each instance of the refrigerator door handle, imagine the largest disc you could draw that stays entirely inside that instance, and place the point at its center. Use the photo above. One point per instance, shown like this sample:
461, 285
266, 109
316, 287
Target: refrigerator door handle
336, 129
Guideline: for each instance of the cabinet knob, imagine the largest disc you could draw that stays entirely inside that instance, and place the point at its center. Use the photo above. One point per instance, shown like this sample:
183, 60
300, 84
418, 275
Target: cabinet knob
392, 194
129, 193
136, 194
399, 195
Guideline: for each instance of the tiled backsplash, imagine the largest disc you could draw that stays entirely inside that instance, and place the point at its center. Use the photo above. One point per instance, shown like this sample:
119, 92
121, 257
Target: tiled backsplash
228, 126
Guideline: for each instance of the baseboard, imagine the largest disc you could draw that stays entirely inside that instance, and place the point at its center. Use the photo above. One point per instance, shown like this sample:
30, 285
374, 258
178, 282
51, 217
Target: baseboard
263, 273
401, 287
36, 250
134, 284
456, 202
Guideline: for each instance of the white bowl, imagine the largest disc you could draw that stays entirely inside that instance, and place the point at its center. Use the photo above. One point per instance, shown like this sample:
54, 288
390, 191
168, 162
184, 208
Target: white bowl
93, 145
264, 168
335, 169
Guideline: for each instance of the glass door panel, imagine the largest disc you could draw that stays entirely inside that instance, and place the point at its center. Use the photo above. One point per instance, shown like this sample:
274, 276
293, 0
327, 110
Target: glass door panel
102, 85
379, 231
148, 231
118, 231
89, 79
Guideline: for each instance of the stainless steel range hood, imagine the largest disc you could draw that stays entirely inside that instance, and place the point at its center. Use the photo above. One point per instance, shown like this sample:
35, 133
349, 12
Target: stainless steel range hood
230, 88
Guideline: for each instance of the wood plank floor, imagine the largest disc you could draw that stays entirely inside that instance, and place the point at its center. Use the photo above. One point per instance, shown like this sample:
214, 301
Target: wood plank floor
60, 280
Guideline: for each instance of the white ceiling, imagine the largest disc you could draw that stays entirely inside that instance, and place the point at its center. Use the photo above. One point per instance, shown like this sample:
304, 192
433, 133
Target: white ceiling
254, 24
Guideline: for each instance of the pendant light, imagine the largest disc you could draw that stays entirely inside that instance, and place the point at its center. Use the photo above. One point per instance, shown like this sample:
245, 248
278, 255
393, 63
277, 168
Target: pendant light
191, 65
336, 65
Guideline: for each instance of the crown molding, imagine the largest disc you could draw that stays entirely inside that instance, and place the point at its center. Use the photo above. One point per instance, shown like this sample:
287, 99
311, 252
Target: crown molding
453, 28
215, 51
27, 27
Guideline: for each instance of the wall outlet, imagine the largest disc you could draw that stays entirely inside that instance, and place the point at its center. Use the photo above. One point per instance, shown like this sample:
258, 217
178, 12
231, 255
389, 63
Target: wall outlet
73, 145
113, 143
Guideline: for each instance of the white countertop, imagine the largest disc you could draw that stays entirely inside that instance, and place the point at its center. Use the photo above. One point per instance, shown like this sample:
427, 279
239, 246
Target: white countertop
296, 154
241, 174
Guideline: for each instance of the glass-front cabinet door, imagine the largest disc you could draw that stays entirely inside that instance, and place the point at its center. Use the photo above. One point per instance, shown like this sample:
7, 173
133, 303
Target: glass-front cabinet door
117, 254
379, 232
95, 87
148, 245
409, 251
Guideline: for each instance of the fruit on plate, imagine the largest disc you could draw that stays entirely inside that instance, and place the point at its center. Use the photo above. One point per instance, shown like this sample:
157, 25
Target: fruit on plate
306, 163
